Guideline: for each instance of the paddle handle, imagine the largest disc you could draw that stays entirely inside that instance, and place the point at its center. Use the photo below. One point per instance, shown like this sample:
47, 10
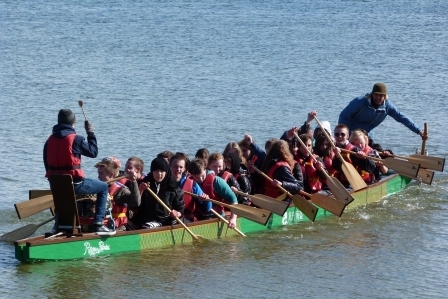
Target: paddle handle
81, 104
330, 140
271, 180
116, 179
424, 138
227, 222
209, 199
368, 157
169, 211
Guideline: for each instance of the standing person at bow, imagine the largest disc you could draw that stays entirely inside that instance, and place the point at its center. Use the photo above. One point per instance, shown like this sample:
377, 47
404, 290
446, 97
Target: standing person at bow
195, 209
151, 213
62, 155
357, 160
120, 196
212, 185
278, 165
368, 111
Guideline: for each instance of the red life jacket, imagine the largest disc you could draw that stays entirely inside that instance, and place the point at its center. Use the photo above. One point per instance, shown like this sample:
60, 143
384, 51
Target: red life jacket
207, 187
118, 211
270, 190
225, 175
367, 176
60, 158
328, 162
190, 209
312, 175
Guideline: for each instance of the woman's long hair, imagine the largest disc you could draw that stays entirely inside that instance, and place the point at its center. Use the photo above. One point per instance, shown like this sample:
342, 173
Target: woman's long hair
235, 145
320, 139
279, 152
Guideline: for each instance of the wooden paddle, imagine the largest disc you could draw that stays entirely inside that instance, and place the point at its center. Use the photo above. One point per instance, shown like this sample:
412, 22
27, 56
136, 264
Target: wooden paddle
335, 207
214, 212
424, 176
352, 175
406, 168
23, 232
195, 237
307, 208
429, 162
266, 202
335, 186
81, 104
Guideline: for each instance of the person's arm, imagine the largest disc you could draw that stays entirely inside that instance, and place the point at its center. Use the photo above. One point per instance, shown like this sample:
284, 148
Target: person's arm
130, 196
45, 155
401, 118
283, 174
347, 115
258, 151
205, 205
223, 190
88, 148
178, 203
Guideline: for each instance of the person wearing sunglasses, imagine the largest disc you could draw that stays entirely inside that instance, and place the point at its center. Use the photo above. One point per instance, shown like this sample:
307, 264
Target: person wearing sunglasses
358, 160
368, 111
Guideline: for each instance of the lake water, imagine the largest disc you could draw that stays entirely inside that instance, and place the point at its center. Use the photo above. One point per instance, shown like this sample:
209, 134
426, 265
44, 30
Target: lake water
182, 75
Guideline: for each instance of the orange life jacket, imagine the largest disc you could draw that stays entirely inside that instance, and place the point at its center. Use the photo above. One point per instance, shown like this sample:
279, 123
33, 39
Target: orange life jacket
270, 190
60, 158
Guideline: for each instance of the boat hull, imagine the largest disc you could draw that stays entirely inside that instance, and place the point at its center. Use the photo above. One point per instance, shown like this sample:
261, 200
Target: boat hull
90, 245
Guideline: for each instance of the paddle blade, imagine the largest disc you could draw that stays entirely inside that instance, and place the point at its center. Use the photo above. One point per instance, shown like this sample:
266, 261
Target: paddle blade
33, 206
353, 176
332, 205
430, 162
406, 168
282, 197
20, 233
270, 204
339, 192
257, 215
425, 176
307, 208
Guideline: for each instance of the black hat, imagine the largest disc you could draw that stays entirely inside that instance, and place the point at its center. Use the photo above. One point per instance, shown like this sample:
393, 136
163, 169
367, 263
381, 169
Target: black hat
66, 116
159, 164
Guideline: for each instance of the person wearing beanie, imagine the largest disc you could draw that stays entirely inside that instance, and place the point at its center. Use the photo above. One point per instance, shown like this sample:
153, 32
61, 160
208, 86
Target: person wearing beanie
368, 111
151, 213
62, 155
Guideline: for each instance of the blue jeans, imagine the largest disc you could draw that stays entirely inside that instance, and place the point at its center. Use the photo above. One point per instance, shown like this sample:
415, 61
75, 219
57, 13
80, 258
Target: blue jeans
93, 186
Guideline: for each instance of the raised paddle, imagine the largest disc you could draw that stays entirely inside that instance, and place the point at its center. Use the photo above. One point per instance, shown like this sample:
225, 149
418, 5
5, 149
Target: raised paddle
424, 138
352, 175
81, 104
335, 186
406, 168
265, 202
195, 237
307, 208
23, 232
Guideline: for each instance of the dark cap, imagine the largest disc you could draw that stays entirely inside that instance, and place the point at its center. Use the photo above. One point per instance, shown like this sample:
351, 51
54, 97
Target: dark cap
66, 116
379, 88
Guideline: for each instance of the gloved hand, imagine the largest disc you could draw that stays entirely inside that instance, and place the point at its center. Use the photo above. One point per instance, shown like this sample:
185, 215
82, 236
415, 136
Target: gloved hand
88, 126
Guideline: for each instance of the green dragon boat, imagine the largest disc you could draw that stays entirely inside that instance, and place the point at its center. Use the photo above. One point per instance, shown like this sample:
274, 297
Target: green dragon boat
90, 245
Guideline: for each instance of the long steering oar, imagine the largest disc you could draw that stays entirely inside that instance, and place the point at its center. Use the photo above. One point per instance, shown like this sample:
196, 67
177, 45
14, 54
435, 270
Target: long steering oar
195, 237
216, 213
81, 104
406, 168
23, 232
335, 186
265, 202
424, 138
353, 177
307, 208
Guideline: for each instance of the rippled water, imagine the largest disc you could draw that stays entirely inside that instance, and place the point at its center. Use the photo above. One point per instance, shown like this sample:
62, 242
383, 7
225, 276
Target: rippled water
184, 75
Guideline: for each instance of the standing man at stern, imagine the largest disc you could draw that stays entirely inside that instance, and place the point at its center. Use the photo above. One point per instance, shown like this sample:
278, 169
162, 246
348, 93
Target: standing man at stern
367, 112
62, 155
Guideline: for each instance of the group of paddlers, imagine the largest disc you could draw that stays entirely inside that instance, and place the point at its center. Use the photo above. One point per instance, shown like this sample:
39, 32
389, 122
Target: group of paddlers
297, 161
